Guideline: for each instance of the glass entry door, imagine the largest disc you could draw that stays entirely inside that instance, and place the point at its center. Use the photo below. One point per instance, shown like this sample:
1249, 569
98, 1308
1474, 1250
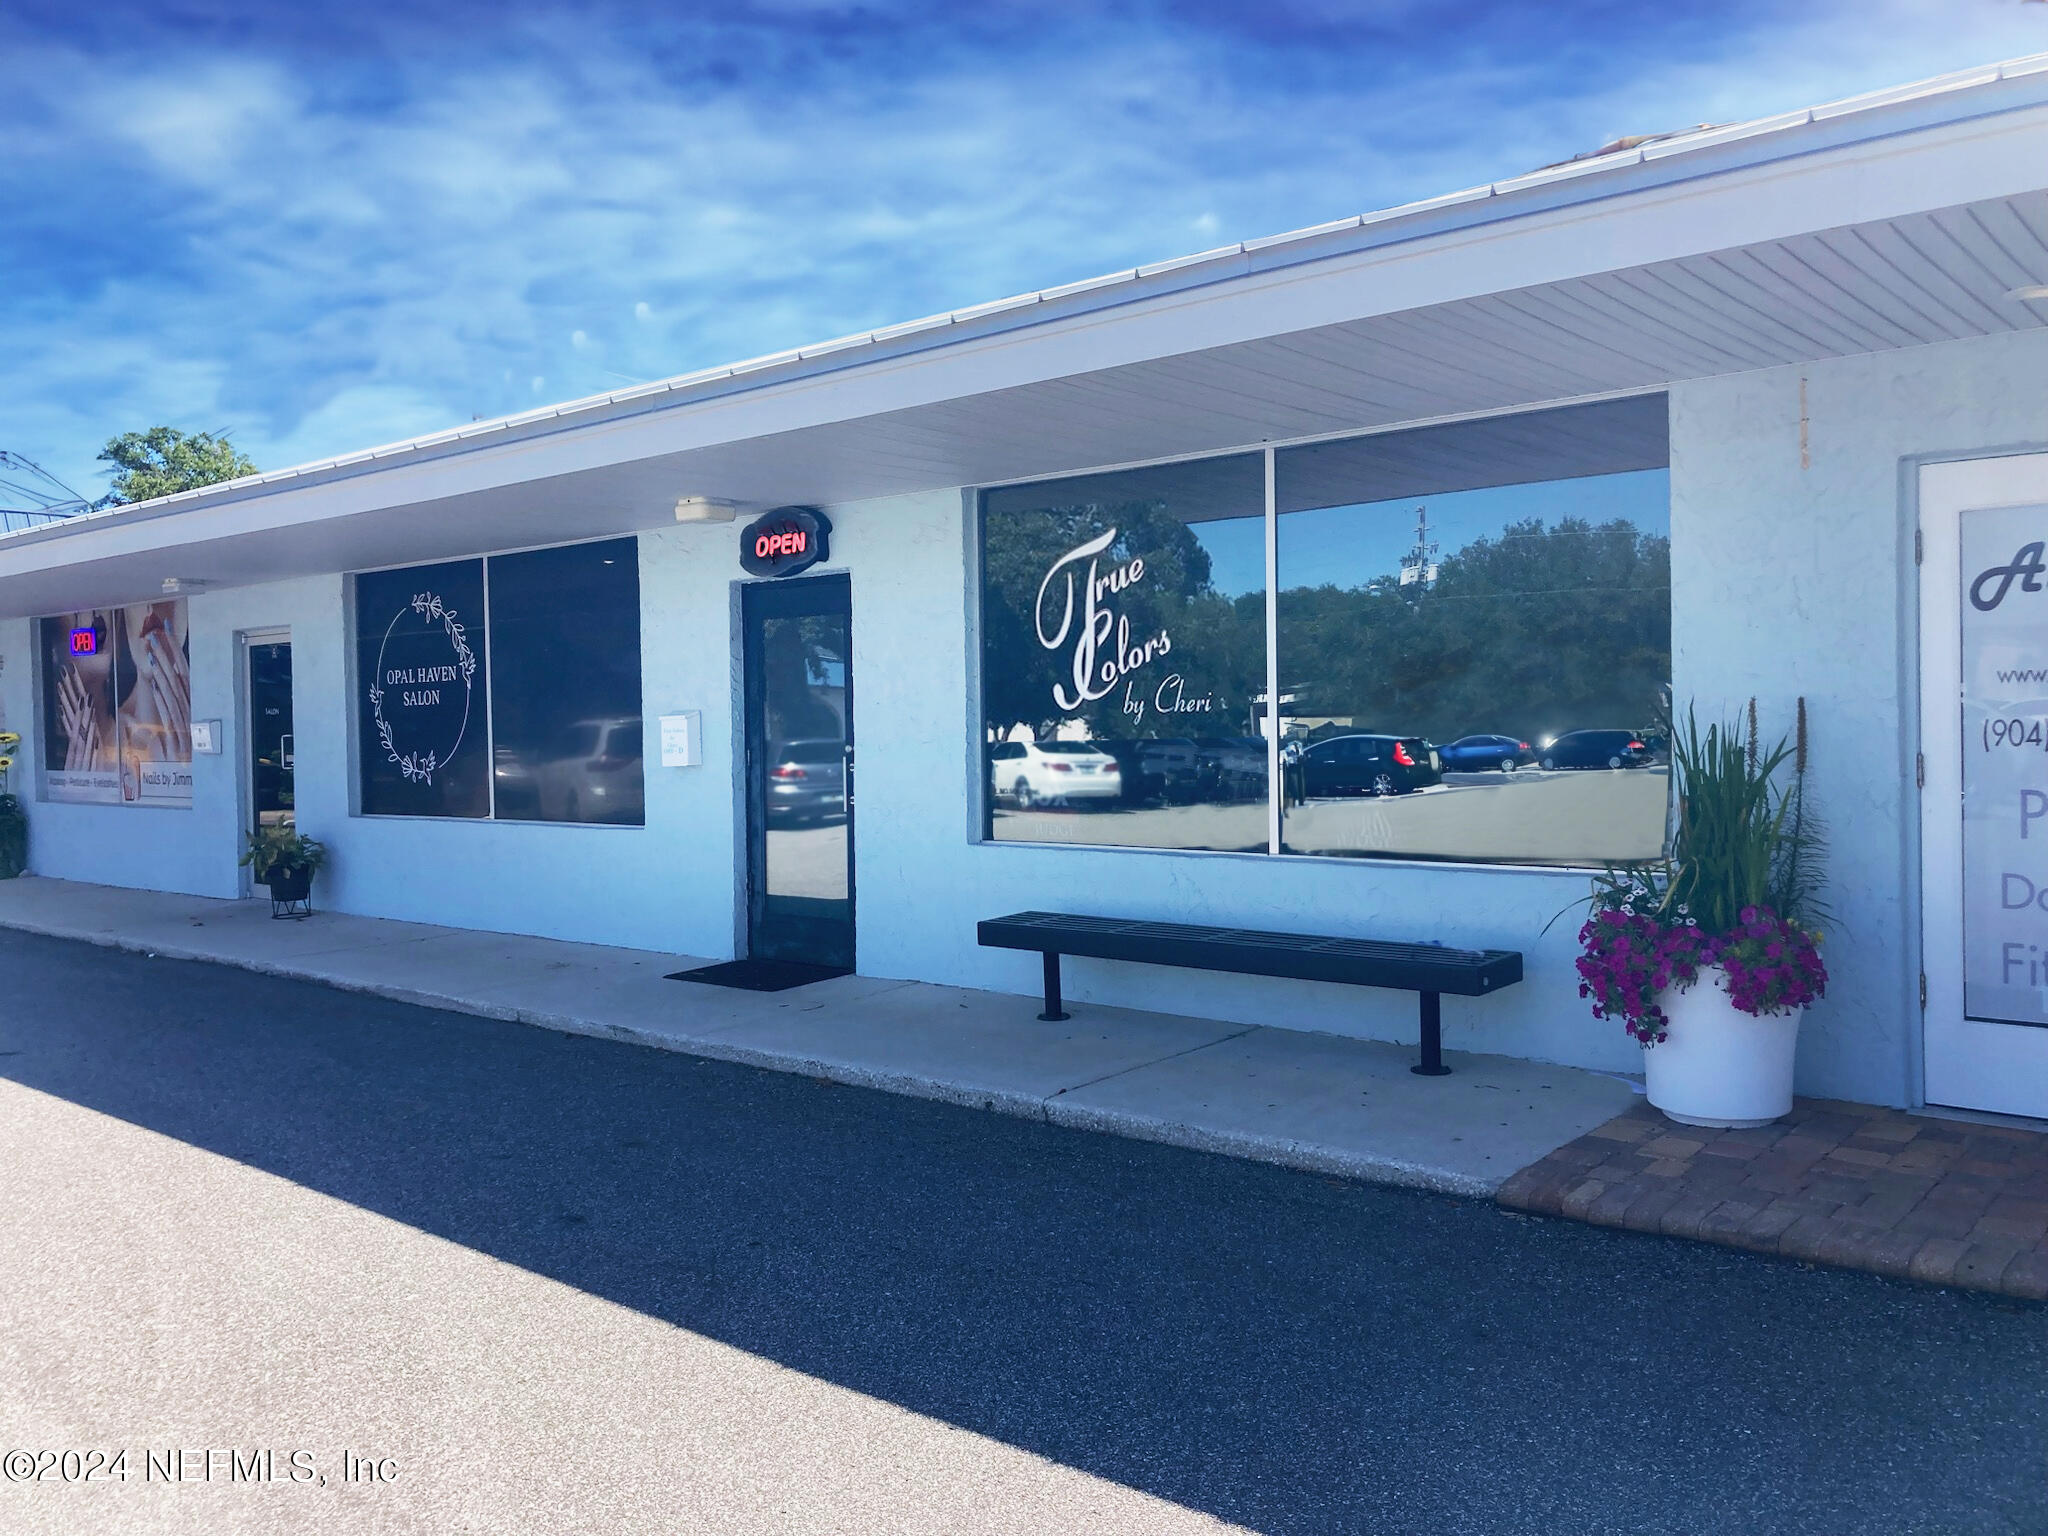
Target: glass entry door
1984, 736
799, 699
269, 736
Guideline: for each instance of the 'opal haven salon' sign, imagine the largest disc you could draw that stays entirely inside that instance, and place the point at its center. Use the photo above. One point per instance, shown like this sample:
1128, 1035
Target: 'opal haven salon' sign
420, 693
785, 541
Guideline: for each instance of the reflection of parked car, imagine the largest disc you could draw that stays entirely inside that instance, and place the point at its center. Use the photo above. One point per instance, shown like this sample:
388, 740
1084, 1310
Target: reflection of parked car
1481, 754
807, 780
1596, 749
1230, 768
592, 773
1139, 787
1369, 765
1174, 764
517, 798
1063, 772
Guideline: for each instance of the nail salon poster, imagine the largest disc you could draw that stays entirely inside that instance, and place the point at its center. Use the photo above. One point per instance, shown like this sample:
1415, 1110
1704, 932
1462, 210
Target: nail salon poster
117, 706
2005, 765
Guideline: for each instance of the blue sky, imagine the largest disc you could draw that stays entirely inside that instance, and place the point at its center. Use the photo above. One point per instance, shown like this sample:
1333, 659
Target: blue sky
321, 228
1351, 546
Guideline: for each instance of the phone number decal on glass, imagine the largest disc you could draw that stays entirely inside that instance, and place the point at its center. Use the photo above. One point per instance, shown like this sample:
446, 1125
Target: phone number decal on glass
2021, 734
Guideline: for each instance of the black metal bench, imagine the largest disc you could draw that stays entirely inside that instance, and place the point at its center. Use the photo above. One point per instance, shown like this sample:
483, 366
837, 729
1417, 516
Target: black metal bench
1429, 969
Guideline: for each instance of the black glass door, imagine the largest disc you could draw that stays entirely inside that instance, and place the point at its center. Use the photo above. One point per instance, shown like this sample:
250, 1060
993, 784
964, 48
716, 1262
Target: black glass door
270, 732
799, 694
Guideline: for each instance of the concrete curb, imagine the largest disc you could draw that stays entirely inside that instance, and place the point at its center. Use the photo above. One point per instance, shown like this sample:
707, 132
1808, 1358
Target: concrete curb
1279, 1151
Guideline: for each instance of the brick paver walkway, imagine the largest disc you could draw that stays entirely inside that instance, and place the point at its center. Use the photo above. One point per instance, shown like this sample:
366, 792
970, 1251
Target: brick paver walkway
1942, 1201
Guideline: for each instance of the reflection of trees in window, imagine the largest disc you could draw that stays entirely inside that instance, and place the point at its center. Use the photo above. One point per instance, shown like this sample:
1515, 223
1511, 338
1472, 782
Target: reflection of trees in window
1530, 632
804, 670
1217, 643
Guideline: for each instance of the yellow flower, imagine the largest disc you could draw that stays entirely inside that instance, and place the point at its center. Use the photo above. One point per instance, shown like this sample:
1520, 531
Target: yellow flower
6, 763
10, 738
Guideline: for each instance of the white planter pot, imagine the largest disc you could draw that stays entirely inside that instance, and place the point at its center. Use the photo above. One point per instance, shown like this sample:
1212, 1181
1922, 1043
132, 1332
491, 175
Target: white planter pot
1719, 1066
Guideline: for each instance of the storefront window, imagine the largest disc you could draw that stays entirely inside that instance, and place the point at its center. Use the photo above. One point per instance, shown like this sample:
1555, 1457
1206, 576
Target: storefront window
534, 716
1473, 647
565, 683
1123, 660
1475, 639
117, 705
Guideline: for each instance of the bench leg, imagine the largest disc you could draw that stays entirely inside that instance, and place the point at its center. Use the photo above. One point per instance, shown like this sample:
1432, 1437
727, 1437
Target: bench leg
1054, 1013
1432, 1063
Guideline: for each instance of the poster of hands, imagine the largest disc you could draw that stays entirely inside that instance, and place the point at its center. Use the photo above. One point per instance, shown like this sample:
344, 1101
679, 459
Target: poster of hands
117, 710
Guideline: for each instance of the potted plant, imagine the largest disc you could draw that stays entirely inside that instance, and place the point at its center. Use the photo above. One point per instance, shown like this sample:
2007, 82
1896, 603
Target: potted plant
1710, 955
13, 819
284, 859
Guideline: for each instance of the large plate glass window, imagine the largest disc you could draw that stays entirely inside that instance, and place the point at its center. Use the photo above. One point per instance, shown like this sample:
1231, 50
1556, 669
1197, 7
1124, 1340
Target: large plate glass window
1474, 639
532, 715
1123, 658
565, 683
117, 705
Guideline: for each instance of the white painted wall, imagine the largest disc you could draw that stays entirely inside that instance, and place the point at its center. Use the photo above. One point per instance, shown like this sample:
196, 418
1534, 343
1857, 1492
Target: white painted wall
665, 886
1789, 578
1793, 575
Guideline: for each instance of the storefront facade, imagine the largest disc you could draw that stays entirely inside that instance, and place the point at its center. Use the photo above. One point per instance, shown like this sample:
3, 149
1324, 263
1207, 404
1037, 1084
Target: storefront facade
1159, 597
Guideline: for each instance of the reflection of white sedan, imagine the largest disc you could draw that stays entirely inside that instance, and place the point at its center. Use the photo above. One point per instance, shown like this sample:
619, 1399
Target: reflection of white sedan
592, 773
1029, 772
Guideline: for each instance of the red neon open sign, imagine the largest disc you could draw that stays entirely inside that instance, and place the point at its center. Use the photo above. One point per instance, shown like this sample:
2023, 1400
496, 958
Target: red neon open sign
785, 541
85, 642
790, 541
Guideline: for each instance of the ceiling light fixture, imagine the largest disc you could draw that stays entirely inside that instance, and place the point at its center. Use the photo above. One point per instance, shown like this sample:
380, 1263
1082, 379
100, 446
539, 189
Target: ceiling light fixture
175, 586
2032, 293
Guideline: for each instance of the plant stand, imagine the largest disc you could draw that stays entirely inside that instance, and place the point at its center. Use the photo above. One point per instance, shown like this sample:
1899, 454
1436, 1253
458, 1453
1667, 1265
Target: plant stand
291, 893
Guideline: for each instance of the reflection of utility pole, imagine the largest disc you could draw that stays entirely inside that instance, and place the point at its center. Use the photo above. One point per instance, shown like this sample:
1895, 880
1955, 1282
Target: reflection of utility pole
1419, 566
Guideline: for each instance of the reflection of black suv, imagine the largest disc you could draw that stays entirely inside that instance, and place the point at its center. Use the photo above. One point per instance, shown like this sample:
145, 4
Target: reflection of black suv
1596, 749
1369, 765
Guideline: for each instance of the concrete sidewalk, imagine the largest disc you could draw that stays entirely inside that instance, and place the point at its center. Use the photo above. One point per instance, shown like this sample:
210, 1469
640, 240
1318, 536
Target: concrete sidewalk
1320, 1102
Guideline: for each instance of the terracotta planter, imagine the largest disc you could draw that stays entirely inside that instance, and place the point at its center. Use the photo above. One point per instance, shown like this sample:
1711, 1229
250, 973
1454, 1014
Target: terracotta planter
1718, 1066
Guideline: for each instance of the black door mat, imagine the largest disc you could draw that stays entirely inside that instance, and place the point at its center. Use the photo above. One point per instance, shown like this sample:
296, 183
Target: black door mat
762, 975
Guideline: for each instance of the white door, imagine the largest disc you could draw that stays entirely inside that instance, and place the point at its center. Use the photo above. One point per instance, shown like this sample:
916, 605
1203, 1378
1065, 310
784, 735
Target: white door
1984, 809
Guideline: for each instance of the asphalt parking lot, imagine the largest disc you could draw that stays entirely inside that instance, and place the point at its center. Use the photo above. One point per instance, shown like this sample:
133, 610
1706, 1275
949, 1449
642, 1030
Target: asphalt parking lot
578, 1285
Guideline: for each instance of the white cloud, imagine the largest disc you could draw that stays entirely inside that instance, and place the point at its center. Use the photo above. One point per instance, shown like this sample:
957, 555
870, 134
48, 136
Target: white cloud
318, 274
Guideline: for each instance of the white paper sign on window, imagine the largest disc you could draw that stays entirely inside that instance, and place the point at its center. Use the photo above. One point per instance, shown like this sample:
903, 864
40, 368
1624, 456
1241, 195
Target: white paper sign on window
2005, 765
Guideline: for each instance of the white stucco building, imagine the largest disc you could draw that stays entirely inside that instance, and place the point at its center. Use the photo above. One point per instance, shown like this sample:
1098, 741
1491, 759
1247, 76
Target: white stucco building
1807, 351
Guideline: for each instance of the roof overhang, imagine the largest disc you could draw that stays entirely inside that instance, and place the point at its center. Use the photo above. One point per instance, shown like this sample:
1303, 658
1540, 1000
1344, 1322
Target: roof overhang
1894, 221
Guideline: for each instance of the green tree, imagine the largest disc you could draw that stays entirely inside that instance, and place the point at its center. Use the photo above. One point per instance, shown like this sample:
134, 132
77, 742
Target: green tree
1531, 632
164, 461
1019, 547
